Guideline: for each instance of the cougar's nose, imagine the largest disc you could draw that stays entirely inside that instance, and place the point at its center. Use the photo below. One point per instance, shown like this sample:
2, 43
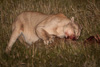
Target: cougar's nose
72, 37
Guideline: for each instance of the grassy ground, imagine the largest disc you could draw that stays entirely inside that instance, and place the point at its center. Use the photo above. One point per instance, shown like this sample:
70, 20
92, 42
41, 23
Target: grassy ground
61, 53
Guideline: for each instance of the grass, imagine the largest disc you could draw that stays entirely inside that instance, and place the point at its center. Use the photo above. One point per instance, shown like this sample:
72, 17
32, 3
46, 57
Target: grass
61, 53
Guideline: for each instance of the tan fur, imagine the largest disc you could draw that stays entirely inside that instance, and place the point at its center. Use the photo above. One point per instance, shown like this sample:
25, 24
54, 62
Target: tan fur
32, 26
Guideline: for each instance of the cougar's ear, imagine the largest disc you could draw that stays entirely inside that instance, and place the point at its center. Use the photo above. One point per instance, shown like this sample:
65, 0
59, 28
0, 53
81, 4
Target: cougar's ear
72, 19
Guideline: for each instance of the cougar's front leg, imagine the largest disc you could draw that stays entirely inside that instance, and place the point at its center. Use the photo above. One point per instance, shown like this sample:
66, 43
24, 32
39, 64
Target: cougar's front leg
44, 35
49, 40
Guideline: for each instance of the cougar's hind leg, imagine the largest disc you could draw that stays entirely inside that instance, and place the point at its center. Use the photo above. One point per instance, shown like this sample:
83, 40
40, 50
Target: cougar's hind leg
14, 36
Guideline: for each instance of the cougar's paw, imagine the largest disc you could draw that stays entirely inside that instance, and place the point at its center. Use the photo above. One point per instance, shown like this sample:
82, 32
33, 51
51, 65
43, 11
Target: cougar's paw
50, 40
8, 49
46, 42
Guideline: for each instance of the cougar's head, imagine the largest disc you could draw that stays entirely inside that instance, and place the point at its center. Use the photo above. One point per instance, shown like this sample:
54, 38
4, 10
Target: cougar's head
72, 30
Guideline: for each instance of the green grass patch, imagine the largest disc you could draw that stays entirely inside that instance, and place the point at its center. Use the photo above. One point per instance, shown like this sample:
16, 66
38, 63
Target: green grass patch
60, 53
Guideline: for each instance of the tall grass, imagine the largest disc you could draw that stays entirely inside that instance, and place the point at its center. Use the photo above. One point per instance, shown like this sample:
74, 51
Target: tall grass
61, 53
